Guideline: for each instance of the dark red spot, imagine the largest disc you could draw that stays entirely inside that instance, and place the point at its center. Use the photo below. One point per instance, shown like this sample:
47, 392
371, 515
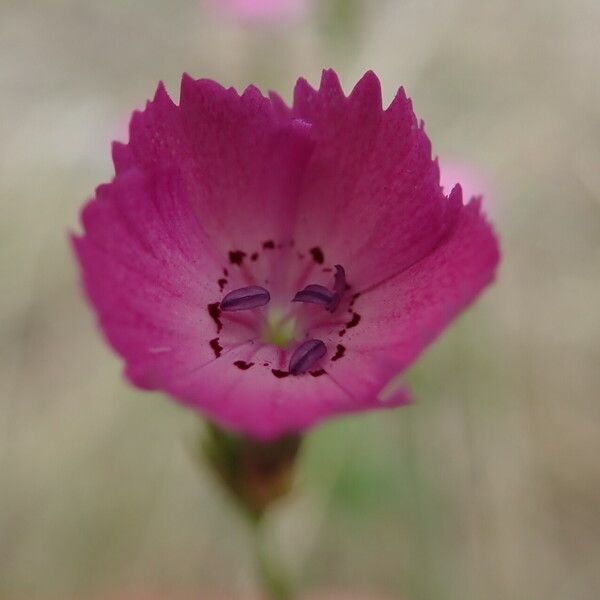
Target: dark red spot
327, 270
243, 365
342, 332
214, 344
341, 350
236, 257
279, 374
226, 272
354, 298
265, 364
354, 321
318, 373
300, 255
215, 312
222, 283
269, 244
254, 256
317, 255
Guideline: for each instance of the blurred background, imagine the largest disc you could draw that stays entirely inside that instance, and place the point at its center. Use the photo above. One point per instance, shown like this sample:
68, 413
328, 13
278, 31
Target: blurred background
487, 488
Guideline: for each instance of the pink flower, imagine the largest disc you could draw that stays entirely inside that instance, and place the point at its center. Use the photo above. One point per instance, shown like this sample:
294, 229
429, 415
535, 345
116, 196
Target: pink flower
228, 207
261, 10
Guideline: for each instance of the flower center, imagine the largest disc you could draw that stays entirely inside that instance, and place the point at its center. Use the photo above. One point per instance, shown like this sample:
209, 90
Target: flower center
280, 329
280, 324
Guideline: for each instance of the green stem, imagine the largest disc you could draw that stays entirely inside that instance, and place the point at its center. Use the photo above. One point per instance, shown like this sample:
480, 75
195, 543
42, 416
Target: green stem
256, 474
274, 582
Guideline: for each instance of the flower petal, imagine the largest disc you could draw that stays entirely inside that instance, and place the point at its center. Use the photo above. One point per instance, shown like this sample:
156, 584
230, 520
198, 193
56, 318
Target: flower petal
148, 268
259, 403
241, 157
250, 164
371, 198
403, 315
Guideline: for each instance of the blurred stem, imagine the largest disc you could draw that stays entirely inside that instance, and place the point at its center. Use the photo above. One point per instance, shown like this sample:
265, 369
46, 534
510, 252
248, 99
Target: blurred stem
422, 578
274, 582
256, 474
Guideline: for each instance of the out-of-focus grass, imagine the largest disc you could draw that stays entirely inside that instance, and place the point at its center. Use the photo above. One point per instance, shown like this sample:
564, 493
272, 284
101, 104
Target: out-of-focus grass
487, 487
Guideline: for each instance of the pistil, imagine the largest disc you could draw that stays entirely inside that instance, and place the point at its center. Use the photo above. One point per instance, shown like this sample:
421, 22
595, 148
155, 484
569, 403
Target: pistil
280, 329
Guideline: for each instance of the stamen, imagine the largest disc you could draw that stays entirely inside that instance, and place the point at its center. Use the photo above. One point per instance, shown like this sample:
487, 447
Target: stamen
339, 288
339, 284
306, 355
319, 294
314, 294
245, 298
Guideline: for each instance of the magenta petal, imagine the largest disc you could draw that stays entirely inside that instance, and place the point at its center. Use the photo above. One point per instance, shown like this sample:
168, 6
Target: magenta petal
256, 402
375, 168
402, 316
148, 268
249, 164
240, 159
122, 156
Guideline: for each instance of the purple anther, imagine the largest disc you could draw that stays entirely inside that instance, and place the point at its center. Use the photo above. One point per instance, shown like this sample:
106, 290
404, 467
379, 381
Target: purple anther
314, 294
306, 355
245, 298
319, 294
